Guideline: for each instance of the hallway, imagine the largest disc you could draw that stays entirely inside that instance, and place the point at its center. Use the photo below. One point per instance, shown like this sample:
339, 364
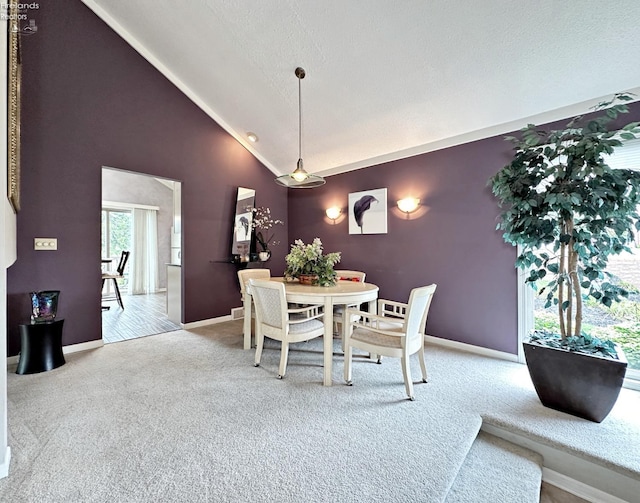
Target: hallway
142, 315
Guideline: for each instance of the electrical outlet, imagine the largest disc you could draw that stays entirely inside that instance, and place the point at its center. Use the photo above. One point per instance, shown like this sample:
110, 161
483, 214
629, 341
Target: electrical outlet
45, 243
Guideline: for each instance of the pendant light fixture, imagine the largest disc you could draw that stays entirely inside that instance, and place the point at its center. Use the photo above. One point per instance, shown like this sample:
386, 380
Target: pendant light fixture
300, 179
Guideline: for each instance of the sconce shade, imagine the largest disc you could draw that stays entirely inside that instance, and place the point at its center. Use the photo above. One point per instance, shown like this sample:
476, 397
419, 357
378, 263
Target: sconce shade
408, 204
333, 212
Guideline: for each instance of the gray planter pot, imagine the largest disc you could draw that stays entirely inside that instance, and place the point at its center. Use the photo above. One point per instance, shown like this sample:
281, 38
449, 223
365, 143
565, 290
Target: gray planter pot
583, 385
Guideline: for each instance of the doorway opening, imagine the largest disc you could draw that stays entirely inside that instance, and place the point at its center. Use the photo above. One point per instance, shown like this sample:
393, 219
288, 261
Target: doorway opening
140, 214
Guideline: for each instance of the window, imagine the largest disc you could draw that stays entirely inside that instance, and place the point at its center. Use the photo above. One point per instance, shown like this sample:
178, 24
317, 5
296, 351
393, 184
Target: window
620, 322
116, 238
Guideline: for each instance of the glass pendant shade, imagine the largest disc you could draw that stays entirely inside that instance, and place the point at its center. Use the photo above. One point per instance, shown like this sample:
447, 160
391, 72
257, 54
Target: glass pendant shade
300, 179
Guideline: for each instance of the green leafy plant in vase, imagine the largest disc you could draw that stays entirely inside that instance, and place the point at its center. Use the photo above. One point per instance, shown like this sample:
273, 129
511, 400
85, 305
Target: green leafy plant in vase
309, 260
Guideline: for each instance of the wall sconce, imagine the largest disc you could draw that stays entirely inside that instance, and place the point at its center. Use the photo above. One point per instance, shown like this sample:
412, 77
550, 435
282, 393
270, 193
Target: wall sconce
333, 213
408, 205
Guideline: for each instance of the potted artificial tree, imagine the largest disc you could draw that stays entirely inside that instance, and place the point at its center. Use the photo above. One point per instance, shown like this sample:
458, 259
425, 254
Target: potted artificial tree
568, 211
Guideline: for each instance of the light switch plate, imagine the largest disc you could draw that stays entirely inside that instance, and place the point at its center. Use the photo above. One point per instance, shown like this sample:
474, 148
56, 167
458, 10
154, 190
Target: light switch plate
45, 243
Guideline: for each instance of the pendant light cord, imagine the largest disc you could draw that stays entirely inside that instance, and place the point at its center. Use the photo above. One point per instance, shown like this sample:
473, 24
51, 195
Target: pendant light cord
300, 117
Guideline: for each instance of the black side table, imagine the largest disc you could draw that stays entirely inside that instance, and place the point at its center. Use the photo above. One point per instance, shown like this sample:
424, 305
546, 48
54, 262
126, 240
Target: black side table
41, 347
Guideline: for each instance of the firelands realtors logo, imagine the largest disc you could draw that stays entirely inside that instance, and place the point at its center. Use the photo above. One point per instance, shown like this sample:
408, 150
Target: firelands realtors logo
18, 14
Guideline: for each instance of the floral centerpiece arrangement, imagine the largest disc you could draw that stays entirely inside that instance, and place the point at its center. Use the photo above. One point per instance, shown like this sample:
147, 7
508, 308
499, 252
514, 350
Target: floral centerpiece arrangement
264, 222
309, 260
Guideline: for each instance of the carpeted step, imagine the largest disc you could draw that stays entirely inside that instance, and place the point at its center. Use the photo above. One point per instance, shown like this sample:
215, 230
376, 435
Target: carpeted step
496, 470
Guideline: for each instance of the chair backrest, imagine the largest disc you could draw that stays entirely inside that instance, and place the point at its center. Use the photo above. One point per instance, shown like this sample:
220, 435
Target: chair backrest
418, 310
270, 300
246, 274
124, 256
345, 275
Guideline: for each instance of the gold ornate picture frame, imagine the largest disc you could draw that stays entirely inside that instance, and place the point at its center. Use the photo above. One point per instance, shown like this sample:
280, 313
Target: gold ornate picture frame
13, 105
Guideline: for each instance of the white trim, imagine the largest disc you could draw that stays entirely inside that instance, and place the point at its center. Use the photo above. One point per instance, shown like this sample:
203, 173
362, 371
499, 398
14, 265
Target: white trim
115, 205
470, 348
578, 474
526, 300
204, 323
577, 488
633, 384
4, 466
83, 346
73, 348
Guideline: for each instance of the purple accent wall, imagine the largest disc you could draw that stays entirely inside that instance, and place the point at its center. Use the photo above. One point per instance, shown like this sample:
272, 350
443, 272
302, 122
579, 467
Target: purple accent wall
451, 240
90, 100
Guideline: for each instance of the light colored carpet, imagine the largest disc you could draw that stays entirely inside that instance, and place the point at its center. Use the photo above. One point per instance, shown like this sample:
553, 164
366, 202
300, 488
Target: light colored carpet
492, 468
184, 416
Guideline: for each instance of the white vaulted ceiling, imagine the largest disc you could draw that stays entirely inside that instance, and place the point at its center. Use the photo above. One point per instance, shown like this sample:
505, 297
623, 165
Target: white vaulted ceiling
385, 79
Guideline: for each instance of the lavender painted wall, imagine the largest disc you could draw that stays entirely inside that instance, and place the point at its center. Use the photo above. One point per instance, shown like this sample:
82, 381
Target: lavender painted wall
90, 100
451, 240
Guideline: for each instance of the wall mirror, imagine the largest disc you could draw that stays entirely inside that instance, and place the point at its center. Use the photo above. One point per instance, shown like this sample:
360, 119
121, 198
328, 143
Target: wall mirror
243, 229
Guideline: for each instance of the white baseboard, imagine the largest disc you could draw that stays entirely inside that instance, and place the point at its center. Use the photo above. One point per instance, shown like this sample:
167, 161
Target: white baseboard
586, 479
72, 348
577, 488
4, 466
204, 323
470, 348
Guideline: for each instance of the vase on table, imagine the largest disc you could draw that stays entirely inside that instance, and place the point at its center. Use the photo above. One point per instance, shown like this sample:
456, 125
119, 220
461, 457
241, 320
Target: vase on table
308, 279
264, 255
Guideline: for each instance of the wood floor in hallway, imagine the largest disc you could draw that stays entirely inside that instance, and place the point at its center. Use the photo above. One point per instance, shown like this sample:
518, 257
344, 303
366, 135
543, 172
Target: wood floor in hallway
142, 315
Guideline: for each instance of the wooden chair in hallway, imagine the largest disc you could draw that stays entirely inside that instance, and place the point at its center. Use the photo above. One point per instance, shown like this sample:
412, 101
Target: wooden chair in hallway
119, 274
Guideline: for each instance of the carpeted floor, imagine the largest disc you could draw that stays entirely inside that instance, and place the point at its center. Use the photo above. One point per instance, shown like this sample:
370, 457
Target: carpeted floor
184, 416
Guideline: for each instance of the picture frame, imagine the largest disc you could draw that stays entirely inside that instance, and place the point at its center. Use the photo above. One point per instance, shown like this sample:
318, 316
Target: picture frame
13, 107
368, 212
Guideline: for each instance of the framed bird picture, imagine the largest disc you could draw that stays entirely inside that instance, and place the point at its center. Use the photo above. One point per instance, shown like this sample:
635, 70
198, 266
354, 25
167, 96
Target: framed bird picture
368, 212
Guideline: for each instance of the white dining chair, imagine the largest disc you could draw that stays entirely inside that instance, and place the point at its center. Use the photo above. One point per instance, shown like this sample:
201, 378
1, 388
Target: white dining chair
276, 320
338, 311
397, 331
244, 275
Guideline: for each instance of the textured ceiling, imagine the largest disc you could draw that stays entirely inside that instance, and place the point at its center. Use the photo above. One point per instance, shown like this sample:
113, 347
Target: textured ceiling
385, 79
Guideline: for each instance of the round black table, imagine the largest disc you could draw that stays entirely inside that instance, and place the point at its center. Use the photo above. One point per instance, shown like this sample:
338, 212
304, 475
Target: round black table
41, 347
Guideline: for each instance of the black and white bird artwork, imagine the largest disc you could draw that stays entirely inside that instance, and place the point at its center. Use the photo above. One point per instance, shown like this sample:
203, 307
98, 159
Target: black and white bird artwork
360, 206
245, 225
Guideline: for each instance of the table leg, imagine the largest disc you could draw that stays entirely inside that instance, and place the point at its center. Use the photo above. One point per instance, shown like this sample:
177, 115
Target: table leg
248, 301
328, 341
373, 309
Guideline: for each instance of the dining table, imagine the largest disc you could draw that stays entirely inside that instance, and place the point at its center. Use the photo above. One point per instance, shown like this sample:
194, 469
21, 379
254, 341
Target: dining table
343, 293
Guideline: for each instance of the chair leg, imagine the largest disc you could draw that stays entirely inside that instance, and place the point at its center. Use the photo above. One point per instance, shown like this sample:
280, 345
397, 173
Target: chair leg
259, 346
118, 297
423, 365
406, 372
284, 354
348, 353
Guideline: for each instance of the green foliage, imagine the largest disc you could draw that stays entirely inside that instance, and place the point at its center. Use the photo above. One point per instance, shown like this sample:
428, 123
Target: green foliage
309, 259
584, 343
568, 210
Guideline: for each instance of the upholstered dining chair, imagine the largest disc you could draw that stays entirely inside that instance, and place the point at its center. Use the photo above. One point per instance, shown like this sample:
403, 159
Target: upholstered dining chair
119, 274
397, 331
244, 275
276, 320
338, 311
